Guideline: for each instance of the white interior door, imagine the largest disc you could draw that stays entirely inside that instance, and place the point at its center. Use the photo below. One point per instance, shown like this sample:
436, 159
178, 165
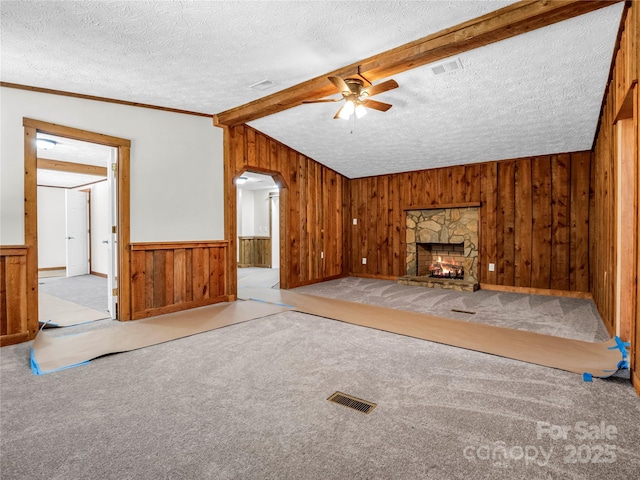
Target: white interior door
77, 233
112, 246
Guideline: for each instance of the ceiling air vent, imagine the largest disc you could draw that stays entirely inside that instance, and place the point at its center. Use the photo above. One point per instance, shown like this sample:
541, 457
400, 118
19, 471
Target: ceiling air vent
446, 67
263, 85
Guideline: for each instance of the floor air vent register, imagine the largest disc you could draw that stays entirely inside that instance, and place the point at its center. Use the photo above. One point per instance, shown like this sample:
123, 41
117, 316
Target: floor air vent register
352, 402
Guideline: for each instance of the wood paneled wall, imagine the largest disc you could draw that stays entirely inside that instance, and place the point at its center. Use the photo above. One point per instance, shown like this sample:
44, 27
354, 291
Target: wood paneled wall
168, 277
534, 218
14, 316
254, 252
616, 147
313, 206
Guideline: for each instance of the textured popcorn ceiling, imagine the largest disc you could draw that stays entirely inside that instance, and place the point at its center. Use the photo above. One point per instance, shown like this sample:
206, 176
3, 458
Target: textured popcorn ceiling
73, 151
76, 151
534, 94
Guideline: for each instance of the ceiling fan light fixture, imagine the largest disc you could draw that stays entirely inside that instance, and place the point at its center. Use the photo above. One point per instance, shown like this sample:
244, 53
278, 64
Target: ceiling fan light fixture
360, 111
45, 144
347, 110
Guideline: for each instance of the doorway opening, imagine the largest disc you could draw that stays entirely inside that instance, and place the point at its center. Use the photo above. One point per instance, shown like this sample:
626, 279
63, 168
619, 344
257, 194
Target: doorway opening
258, 231
76, 213
119, 199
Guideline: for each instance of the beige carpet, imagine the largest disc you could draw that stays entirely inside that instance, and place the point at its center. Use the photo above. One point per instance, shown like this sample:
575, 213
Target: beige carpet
56, 312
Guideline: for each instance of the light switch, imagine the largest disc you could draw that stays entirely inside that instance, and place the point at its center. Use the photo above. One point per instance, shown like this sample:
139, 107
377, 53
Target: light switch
492, 267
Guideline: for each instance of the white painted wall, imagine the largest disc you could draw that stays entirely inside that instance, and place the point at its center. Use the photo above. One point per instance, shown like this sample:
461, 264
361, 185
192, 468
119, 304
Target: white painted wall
51, 227
99, 227
247, 204
176, 164
261, 211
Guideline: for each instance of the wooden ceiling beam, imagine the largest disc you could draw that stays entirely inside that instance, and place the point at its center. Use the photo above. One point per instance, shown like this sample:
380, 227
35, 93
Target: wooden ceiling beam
69, 167
507, 22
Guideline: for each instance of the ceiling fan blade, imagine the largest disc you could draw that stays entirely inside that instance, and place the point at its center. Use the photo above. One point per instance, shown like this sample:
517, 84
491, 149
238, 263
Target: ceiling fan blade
340, 84
323, 100
337, 115
383, 107
381, 87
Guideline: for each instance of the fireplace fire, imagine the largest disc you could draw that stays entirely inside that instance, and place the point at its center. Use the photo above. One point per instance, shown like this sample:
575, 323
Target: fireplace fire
446, 269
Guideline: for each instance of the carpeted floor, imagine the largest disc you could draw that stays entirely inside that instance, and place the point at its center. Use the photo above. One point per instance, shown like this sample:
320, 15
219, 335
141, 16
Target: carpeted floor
86, 290
249, 402
259, 277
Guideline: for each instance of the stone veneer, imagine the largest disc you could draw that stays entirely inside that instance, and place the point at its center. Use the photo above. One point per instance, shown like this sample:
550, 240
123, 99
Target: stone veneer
444, 225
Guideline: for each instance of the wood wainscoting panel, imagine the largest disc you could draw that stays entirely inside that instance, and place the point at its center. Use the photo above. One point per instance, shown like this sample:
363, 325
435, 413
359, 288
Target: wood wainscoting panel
14, 326
171, 276
255, 252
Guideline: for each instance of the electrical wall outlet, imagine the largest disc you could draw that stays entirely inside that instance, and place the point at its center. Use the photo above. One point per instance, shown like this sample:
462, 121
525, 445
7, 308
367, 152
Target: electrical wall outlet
492, 267
364, 261
355, 221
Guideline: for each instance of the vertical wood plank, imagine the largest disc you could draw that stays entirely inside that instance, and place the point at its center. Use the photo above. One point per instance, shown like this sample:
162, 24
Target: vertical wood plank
3, 297
506, 223
138, 281
523, 223
488, 214
16, 283
159, 258
579, 259
541, 248
458, 185
188, 269
472, 183
179, 276
148, 277
560, 221
169, 285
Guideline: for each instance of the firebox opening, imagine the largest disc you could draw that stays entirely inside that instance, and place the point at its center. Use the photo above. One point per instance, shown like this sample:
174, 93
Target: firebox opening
440, 260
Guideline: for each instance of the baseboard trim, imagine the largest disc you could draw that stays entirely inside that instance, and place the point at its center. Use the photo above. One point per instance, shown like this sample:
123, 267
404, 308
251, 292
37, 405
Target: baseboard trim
48, 269
536, 291
14, 338
374, 276
98, 274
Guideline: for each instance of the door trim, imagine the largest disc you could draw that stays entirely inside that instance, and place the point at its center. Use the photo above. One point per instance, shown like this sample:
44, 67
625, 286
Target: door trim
123, 146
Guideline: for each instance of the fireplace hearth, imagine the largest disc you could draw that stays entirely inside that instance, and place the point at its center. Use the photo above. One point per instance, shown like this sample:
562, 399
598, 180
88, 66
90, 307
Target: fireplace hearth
442, 248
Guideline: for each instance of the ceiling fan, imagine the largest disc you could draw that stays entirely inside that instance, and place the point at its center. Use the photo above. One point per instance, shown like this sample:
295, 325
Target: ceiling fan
356, 96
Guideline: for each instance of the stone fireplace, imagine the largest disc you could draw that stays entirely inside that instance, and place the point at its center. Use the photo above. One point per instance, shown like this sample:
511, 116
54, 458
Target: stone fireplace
442, 248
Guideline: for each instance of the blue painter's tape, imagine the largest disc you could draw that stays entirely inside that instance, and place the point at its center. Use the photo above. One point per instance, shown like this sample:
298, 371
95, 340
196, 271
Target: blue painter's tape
273, 303
623, 365
35, 367
587, 377
622, 346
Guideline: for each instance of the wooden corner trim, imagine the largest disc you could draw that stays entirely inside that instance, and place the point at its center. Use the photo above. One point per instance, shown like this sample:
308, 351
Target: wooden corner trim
75, 133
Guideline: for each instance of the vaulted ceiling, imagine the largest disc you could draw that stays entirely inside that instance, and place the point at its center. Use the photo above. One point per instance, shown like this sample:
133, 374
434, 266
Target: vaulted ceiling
535, 93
